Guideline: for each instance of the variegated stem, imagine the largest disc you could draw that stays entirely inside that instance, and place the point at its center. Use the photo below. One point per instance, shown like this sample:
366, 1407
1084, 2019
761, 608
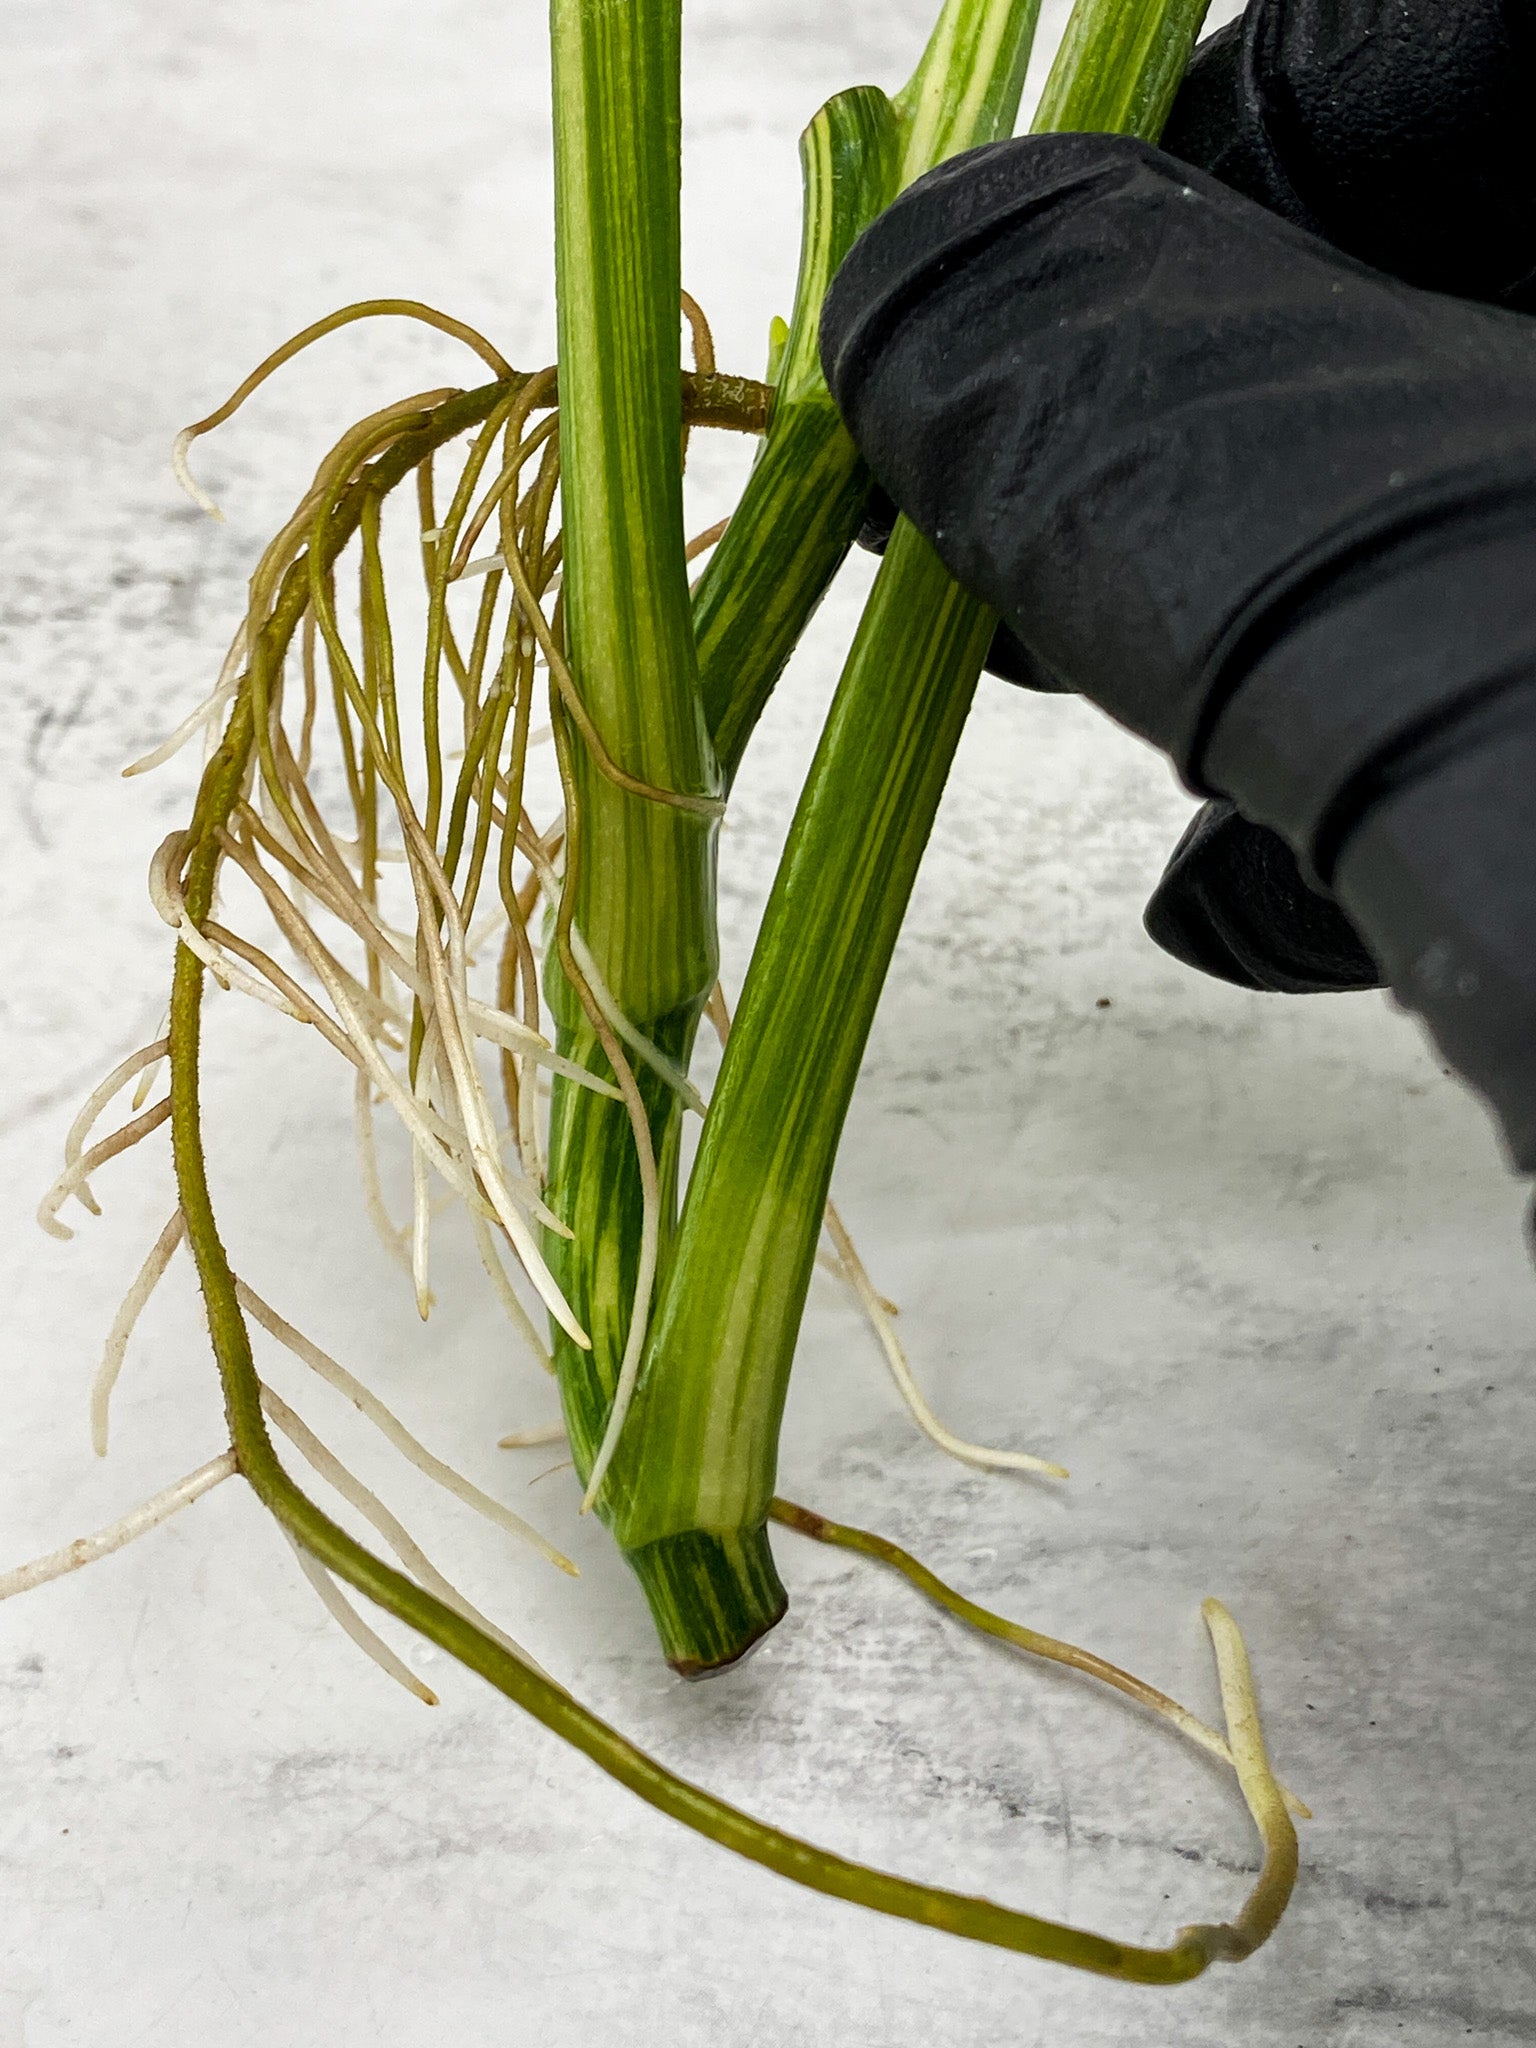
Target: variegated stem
640, 873
806, 496
699, 1462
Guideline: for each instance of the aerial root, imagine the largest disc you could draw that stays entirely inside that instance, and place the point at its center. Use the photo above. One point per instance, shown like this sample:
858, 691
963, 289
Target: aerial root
409, 1004
137, 1522
506, 1294
364, 309
140, 1063
1243, 1754
639, 1123
145, 1282
218, 700
77, 1176
877, 1311
341, 1610
531, 1439
389, 1425
1268, 1801
367, 1503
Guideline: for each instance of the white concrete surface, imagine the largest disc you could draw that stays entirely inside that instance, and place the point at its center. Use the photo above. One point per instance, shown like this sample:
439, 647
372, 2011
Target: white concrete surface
1251, 1267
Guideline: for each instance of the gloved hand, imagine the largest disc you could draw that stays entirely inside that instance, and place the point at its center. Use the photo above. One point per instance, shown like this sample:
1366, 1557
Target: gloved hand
1395, 129
1272, 509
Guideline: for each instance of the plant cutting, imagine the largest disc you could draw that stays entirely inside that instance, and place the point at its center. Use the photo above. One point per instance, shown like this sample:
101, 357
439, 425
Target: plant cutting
376, 832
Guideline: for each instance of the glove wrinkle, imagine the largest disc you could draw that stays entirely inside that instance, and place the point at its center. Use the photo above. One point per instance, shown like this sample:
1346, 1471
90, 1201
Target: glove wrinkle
1217, 124
1384, 653
1153, 425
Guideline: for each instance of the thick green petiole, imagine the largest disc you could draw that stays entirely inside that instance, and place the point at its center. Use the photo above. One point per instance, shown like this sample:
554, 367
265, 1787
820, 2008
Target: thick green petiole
700, 1449
806, 496
699, 1457
639, 862
614, 1170
1118, 67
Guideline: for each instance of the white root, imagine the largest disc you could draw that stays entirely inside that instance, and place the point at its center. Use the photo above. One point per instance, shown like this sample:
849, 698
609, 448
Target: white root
373, 1510
380, 1073
613, 1015
166, 897
506, 1294
144, 1061
482, 1142
650, 1215
643, 1048
389, 1425
145, 1282
980, 1455
181, 469
529, 1439
500, 1027
421, 1203
138, 1521
218, 698
75, 1177
393, 1240
473, 1108
147, 1079
340, 1609
829, 1262
305, 1008
634, 1347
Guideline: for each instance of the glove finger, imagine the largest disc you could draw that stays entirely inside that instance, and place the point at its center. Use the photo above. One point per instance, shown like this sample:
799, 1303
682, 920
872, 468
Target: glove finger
1396, 129
1232, 903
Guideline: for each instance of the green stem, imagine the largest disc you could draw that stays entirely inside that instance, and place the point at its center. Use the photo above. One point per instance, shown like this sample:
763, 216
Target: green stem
803, 502
645, 893
716, 1591
706, 1565
1118, 67
805, 498
700, 1450
641, 871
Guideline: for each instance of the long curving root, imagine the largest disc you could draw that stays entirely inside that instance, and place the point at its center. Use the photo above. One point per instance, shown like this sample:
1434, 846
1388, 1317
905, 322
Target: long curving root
378, 827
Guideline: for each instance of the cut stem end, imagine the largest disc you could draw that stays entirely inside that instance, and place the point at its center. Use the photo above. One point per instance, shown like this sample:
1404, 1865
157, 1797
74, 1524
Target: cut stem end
713, 1595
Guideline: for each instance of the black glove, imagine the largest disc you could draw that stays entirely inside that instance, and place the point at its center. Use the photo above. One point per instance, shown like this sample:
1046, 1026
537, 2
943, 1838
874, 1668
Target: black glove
1396, 130
1398, 133
1271, 509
